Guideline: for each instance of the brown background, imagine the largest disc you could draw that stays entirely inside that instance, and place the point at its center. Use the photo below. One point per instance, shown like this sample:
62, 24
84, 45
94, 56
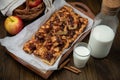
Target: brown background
96, 69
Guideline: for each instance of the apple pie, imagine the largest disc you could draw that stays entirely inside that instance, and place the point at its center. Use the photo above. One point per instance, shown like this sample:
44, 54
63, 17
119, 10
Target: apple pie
56, 35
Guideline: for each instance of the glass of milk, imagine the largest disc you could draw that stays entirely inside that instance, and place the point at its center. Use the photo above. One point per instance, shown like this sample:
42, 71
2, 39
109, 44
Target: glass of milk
81, 54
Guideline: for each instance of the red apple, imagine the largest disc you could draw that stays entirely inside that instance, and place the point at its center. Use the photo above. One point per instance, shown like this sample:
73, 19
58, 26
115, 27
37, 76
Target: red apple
13, 25
34, 3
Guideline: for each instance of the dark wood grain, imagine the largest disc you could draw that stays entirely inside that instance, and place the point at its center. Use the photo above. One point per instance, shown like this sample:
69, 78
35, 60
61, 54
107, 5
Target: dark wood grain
96, 69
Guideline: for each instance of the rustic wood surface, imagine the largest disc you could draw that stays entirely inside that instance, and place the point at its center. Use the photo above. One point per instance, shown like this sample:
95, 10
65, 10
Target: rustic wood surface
96, 69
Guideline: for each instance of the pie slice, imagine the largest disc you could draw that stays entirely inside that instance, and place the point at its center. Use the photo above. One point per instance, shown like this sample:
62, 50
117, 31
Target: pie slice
56, 35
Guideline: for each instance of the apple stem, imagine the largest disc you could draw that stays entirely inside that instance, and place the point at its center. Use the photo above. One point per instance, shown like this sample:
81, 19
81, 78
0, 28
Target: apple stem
11, 19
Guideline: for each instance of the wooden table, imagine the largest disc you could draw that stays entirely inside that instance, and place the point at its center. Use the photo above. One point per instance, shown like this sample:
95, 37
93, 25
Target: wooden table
96, 69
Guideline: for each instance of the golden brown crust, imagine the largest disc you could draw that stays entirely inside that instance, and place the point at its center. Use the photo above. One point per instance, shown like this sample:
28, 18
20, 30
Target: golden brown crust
57, 34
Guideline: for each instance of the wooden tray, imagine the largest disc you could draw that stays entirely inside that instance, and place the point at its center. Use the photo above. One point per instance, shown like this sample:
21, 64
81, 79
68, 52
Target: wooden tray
84, 9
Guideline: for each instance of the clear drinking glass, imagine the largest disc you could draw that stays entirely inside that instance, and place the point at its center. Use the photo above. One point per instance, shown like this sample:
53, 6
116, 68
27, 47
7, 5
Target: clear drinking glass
81, 54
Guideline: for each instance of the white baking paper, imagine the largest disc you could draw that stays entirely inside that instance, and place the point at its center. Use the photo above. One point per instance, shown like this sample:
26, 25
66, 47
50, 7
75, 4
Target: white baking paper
15, 44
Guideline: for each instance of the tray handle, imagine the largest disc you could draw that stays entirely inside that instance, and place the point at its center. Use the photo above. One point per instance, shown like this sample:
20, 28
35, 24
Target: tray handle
83, 8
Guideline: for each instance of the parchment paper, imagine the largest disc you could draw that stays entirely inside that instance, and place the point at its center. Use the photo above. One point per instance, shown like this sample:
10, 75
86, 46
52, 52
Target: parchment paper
15, 44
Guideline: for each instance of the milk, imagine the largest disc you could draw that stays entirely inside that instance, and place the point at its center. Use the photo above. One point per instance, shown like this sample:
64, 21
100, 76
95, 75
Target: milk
101, 40
81, 55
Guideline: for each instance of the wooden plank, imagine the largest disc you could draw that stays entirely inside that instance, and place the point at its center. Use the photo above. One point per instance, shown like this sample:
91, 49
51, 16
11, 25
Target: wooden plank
83, 8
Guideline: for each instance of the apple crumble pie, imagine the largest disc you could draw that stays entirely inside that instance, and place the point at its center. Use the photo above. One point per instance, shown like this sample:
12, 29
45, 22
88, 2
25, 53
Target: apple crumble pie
57, 34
